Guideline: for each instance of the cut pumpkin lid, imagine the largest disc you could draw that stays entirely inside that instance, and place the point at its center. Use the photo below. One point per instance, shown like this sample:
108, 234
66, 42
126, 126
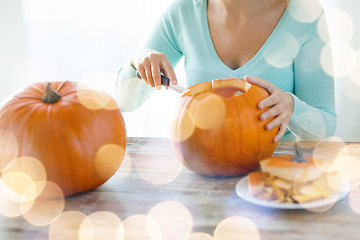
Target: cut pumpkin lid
226, 87
238, 83
285, 161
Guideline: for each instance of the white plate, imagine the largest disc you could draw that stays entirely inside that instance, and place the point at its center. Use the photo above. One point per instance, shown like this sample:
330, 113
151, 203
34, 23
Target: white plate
242, 191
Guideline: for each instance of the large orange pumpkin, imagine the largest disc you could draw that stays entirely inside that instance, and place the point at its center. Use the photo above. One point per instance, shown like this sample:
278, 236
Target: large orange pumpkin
75, 131
217, 132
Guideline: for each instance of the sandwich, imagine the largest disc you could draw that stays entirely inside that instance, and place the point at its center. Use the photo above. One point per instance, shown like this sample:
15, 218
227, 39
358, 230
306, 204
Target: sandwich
283, 179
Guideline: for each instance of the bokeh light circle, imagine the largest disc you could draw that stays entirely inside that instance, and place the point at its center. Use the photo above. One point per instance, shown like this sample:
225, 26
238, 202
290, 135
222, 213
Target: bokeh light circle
125, 167
16, 185
101, 225
174, 219
185, 128
31, 167
155, 171
337, 182
306, 11
207, 111
47, 207
350, 85
354, 199
336, 25
108, 159
338, 59
283, 50
95, 99
327, 187
323, 29
66, 226
355, 73
235, 228
350, 168
9, 148
141, 227
322, 152
199, 236
10, 208
321, 209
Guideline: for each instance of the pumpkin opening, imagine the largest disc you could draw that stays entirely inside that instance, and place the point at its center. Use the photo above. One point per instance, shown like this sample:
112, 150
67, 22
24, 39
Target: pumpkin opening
229, 87
222, 87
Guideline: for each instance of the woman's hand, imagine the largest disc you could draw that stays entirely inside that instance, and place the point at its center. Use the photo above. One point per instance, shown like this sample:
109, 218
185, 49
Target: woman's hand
281, 106
150, 64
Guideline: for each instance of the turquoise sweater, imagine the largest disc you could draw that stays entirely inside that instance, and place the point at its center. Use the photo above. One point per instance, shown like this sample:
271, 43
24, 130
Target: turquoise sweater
290, 59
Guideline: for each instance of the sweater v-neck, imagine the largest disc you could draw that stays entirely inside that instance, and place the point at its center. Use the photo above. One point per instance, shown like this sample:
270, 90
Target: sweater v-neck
247, 66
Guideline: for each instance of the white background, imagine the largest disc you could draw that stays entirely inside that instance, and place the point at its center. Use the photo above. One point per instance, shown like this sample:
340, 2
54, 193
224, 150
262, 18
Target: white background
88, 40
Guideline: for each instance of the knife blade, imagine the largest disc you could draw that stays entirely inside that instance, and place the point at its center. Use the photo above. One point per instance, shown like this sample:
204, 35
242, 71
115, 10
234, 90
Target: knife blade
166, 83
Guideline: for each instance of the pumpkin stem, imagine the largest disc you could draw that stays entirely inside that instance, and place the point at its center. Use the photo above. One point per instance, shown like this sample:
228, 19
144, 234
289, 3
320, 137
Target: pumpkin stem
51, 95
299, 156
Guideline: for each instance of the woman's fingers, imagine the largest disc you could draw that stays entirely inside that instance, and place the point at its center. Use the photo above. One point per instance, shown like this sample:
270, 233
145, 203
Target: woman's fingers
280, 106
148, 75
168, 71
268, 102
271, 112
151, 64
141, 70
277, 121
260, 82
155, 72
273, 99
281, 132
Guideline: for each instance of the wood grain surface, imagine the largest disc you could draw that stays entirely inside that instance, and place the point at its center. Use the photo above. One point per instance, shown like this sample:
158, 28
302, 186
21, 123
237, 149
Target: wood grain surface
151, 175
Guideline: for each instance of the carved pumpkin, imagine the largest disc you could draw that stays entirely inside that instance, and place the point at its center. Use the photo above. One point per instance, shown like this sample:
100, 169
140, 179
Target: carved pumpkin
217, 132
76, 132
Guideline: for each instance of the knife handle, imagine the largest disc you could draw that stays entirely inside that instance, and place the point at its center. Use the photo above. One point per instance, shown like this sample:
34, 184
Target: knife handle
164, 80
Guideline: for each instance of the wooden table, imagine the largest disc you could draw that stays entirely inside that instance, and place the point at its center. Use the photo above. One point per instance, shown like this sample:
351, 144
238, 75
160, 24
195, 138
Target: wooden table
139, 187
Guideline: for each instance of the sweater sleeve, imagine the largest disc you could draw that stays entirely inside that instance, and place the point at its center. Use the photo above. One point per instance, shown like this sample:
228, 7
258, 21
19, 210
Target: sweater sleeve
314, 114
130, 92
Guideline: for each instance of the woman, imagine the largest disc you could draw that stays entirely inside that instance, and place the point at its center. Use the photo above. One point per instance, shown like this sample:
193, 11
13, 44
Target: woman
264, 39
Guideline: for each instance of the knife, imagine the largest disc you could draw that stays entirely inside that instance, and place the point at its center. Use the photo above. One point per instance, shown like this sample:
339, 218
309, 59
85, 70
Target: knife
166, 83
